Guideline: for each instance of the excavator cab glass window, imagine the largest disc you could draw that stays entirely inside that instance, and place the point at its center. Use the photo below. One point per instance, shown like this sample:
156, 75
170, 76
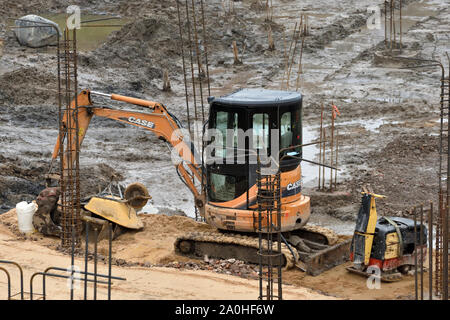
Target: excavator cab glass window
224, 121
225, 187
261, 131
290, 131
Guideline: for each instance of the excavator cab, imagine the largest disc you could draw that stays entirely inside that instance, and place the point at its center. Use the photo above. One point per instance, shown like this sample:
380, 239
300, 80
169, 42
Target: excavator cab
243, 125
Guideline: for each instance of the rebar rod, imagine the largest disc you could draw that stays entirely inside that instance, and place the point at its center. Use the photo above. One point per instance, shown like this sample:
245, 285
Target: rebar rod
184, 67
8, 277
331, 148
20, 274
446, 212
205, 44
188, 20
320, 145
336, 164
430, 252
323, 160
95, 262
401, 32
110, 236
421, 251
385, 24
199, 65
86, 254
288, 56
72, 264
415, 255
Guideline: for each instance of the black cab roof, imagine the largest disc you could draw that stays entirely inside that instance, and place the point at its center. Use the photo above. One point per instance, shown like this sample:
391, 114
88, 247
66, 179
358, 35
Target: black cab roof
257, 97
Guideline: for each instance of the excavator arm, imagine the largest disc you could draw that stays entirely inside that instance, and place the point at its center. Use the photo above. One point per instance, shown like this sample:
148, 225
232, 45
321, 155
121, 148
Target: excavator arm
158, 120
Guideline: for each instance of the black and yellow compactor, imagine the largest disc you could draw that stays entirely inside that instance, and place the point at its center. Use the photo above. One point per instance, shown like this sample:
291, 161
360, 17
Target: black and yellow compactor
385, 246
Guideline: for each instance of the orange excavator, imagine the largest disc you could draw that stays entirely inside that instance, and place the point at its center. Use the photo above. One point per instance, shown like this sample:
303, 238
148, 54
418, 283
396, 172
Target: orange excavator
225, 189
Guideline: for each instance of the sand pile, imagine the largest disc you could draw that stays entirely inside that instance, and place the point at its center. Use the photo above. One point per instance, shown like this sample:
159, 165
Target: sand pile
149, 246
154, 244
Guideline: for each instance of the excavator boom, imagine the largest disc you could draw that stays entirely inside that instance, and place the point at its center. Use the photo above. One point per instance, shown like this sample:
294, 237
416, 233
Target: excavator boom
159, 121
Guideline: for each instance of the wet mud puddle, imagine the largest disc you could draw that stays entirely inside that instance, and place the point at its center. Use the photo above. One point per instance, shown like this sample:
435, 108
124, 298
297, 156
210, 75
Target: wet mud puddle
91, 35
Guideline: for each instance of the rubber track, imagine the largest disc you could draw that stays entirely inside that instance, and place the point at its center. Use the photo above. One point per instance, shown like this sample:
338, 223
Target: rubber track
331, 236
236, 239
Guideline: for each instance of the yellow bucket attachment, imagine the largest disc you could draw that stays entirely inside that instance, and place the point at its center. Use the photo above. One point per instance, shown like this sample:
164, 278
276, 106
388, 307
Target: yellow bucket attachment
115, 210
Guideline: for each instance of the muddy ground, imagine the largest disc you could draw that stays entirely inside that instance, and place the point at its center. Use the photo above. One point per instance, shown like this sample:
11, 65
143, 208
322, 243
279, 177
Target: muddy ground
388, 128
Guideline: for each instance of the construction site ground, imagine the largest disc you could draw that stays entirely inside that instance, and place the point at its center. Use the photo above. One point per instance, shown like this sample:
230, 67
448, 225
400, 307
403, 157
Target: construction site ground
153, 271
388, 127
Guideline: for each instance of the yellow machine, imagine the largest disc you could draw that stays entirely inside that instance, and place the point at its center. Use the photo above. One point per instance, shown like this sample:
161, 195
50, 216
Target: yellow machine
384, 244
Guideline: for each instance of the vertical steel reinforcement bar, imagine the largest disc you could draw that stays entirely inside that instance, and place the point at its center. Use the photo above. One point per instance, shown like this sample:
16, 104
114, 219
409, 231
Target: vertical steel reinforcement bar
68, 135
269, 230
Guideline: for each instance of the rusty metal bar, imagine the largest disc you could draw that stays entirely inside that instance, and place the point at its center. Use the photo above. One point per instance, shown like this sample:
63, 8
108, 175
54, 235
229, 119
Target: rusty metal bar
188, 20
95, 262
415, 255
331, 147
72, 264
445, 238
110, 237
385, 23
8, 276
184, 66
323, 160
288, 56
336, 164
390, 24
199, 65
20, 273
205, 43
430, 252
421, 251
401, 32
86, 253
55, 275
320, 145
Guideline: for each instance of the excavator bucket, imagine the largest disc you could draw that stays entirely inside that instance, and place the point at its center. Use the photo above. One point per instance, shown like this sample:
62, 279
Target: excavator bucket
115, 210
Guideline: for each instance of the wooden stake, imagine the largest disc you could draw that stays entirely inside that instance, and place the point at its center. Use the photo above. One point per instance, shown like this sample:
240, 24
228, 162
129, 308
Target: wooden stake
297, 35
288, 56
166, 84
271, 43
300, 71
236, 54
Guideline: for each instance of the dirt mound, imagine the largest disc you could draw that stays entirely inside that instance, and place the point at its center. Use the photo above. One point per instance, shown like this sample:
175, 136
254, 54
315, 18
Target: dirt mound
19, 181
28, 85
144, 48
22, 180
404, 158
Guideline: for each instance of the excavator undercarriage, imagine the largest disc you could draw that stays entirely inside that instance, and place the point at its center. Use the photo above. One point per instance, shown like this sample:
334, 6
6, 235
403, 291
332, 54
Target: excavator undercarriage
312, 249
